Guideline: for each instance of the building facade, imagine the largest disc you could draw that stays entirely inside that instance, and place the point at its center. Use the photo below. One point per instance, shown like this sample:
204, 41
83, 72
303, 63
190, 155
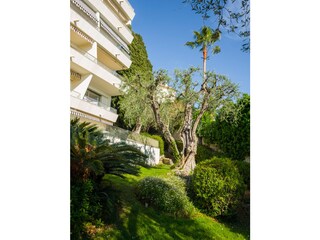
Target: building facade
99, 39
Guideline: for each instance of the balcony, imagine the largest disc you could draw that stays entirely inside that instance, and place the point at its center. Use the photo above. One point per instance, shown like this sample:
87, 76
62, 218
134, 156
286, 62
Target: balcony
99, 104
126, 7
85, 63
90, 16
92, 110
109, 31
95, 60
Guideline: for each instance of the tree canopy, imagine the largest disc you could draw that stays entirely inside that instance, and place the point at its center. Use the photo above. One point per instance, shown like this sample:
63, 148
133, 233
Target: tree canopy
133, 106
230, 129
231, 15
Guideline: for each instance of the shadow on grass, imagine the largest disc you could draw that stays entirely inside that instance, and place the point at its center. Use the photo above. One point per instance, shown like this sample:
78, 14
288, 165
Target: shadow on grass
135, 221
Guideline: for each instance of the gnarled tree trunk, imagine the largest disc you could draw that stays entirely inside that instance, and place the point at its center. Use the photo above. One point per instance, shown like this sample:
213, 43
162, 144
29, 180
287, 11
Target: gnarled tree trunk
164, 128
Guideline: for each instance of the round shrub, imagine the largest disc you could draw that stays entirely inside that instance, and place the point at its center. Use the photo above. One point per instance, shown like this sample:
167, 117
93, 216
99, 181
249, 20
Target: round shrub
165, 194
217, 187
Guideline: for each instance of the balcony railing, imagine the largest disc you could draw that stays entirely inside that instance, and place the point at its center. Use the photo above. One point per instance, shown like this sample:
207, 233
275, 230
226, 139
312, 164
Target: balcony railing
99, 104
86, 9
75, 75
109, 30
117, 11
95, 60
128, 4
88, 12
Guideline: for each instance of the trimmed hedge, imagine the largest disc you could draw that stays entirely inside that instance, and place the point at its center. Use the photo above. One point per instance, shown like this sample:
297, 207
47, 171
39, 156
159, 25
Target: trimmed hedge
165, 194
159, 139
217, 187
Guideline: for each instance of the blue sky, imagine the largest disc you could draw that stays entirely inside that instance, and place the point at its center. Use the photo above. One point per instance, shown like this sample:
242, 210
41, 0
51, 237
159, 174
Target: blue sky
167, 25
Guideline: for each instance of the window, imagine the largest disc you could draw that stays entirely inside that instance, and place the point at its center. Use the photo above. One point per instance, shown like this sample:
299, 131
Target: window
92, 97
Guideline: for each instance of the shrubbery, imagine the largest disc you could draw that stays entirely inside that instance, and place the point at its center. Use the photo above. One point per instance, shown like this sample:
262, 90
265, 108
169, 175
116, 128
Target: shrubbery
203, 153
244, 170
165, 194
217, 187
159, 139
85, 207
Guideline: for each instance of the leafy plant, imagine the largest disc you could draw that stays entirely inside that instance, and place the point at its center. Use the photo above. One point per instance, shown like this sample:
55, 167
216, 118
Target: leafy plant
217, 187
92, 155
230, 129
85, 207
204, 153
244, 170
165, 194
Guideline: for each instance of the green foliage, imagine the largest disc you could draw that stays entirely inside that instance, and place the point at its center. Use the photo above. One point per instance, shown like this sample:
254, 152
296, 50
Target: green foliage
159, 139
85, 206
244, 170
133, 104
217, 187
232, 131
176, 155
165, 194
92, 155
231, 15
204, 153
138, 222
205, 39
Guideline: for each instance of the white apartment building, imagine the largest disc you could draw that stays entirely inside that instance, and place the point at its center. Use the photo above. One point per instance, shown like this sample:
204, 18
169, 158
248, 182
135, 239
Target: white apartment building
99, 39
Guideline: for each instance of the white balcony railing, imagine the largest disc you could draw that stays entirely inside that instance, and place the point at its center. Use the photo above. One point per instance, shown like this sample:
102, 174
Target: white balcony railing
88, 12
108, 29
86, 9
99, 104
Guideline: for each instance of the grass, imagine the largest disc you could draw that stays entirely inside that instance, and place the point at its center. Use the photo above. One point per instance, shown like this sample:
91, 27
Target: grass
132, 220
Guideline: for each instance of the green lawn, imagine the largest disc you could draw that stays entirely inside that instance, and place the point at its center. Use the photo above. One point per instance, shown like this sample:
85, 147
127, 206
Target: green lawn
134, 221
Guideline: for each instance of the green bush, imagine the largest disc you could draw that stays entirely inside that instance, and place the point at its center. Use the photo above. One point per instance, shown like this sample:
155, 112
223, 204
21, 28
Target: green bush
217, 187
85, 207
165, 194
203, 153
244, 170
159, 139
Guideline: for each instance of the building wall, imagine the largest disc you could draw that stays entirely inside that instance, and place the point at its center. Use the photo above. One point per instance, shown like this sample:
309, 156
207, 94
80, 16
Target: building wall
99, 46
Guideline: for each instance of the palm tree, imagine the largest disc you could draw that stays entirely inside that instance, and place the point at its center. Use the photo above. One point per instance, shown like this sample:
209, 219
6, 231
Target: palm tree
92, 155
205, 39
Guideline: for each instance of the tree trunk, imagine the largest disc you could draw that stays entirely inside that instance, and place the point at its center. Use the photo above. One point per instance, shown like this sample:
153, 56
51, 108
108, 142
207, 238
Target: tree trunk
138, 126
204, 62
164, 128
188, 162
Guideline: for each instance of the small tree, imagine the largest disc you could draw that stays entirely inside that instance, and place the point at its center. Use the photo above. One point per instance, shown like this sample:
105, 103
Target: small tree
133, 106
214, 91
